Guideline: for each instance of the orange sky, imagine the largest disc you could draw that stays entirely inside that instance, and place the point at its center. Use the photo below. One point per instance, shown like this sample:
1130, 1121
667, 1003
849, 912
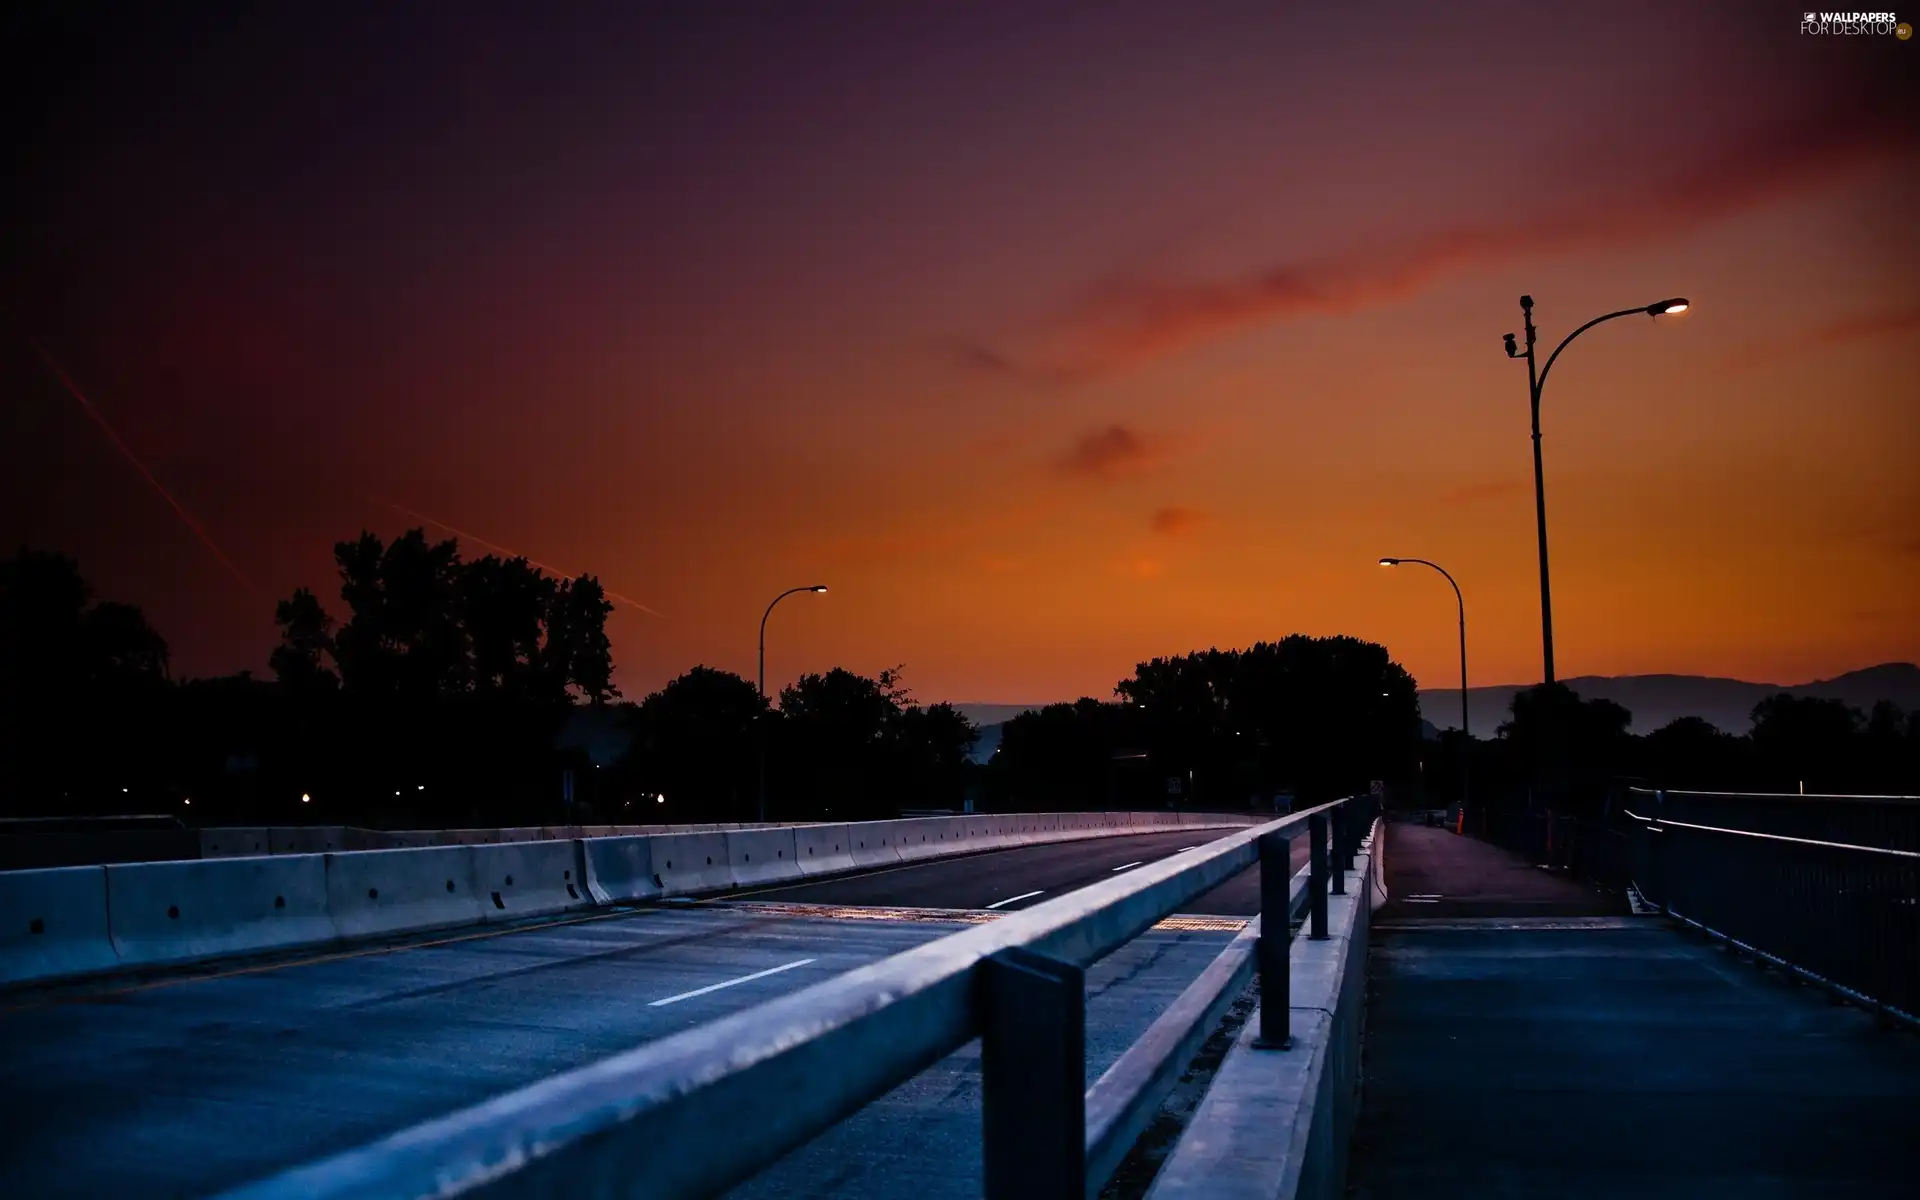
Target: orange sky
1051, 341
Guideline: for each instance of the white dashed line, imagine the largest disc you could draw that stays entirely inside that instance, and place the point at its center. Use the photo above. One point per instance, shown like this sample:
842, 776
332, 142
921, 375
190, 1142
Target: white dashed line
1128, 866
1011, 899
714, 987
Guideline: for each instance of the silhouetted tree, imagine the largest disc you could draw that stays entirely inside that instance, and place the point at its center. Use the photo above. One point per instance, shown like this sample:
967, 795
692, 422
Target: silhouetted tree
502, 607
404, 639
1317, 717
80, 686
1806, 739
462, 671
302, 661
1691, 753
694, 744
852, 746
577, 654
1081, 756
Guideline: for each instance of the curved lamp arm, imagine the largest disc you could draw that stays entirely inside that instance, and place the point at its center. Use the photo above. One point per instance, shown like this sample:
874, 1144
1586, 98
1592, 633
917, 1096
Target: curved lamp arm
813, 587
1461, 604
1542, 383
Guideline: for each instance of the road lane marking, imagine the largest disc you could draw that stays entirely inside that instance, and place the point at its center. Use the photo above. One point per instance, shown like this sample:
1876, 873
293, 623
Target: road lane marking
864, 873
87, 995
1127, 866
1183, 922
714, 987
1011, 899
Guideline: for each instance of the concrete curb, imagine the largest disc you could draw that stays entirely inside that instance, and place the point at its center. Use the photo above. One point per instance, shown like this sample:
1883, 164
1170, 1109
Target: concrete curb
1276, 1123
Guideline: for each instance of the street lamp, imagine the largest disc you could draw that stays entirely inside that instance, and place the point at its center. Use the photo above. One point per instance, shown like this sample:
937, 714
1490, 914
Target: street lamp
1535, 382
1461, 604
761, 716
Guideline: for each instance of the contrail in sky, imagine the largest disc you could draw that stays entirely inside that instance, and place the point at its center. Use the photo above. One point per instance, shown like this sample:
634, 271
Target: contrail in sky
495, 546
93, 413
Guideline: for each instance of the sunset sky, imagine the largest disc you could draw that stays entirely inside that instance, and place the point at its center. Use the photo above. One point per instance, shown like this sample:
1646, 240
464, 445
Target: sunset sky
1052, 337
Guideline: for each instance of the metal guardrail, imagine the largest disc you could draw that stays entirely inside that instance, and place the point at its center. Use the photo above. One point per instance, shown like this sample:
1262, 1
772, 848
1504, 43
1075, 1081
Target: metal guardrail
695, 1113
1888, 821
1841, 914
1585, 848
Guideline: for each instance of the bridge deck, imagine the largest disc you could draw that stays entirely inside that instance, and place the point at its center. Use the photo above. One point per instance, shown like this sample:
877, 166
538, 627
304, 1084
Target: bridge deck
206, 1078
1537, 1050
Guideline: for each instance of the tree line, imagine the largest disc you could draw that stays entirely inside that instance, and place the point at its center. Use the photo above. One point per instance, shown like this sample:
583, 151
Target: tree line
441, 690
1576, 755
446, 691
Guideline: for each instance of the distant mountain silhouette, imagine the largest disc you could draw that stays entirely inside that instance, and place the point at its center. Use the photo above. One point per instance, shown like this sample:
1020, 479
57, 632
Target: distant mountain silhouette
994, 714
991, 718
1655, 700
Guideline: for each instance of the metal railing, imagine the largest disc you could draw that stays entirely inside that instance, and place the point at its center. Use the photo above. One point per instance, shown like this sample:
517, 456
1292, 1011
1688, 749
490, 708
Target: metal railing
1843, 914
705, 1109
1586, 848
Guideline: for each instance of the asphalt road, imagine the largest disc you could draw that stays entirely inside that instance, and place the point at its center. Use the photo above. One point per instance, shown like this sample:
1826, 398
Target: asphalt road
1008, 880
1619, 1060
186, 1085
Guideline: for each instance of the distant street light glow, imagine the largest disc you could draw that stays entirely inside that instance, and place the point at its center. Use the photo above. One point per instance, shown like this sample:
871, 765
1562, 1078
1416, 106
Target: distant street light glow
305, 799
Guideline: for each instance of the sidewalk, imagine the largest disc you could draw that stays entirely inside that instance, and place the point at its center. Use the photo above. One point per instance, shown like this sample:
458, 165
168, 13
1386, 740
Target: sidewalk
1435, 873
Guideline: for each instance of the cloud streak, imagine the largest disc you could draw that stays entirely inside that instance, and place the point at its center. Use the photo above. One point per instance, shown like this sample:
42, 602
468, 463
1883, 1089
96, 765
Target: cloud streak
1127, 323
1115, 452
1843, 332
1173, 521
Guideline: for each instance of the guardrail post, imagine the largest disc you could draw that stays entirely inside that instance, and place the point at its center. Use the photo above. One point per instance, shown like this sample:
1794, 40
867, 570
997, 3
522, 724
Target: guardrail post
1276, 940
1317, 877
1033, 1067
1657, 854
1337, 852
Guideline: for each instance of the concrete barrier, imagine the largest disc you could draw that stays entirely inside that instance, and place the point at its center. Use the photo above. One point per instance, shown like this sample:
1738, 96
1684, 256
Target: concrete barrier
823, 849
242, 904
306, 839
874, 844
234, 842
620, 869
530, 878
691, 862
762, 856
397, 891
53, 923
173, 912
368, 839
926, 837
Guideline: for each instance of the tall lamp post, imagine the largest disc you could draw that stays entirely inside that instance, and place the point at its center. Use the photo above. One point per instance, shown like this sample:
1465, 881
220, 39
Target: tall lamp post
1461, 603
761, 716
1535, 382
